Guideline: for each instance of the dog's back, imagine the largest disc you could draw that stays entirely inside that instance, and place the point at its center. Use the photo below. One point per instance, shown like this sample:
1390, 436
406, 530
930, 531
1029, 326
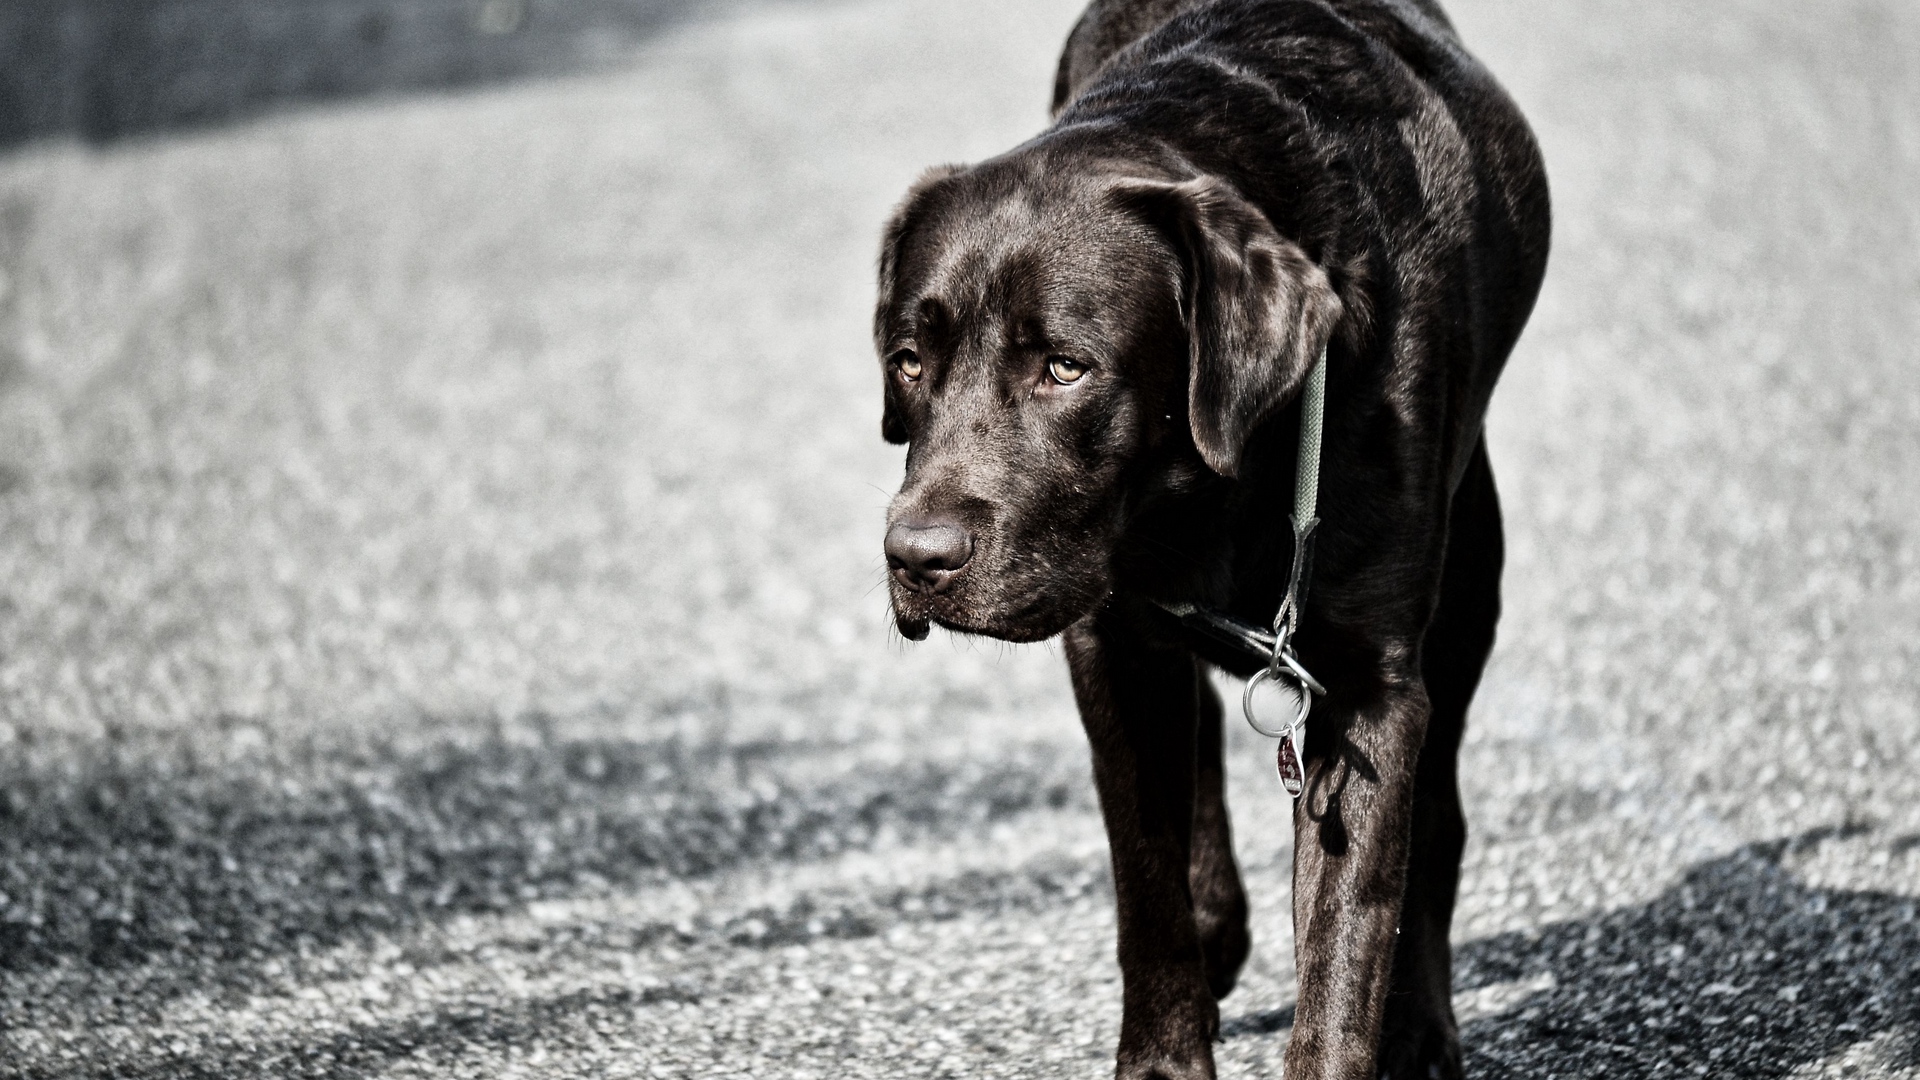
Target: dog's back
1109, 26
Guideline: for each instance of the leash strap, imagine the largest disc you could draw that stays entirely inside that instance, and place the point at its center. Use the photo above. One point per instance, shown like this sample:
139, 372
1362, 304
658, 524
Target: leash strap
1306, 498
1283, 666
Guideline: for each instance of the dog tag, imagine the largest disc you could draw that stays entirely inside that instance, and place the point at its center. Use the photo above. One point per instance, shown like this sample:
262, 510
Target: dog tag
1291, 776
1292, 689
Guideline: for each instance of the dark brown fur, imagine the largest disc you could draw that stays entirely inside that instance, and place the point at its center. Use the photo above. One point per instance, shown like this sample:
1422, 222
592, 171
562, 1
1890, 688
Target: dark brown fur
1228, 187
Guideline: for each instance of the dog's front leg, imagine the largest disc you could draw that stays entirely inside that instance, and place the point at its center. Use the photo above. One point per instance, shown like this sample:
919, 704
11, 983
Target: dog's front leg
1350, 856
1139, 706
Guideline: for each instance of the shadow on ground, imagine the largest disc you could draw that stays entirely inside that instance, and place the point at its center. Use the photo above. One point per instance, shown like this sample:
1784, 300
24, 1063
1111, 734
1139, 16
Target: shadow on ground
218, 865
135, 870
1738, 970
203, 853
104, 69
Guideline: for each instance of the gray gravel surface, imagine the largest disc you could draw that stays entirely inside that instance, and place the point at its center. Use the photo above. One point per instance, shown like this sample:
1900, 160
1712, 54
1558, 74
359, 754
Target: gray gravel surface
439, 624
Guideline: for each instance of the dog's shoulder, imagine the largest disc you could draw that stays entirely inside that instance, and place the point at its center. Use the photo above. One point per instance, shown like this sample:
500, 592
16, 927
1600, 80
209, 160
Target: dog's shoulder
1289, 101
1104, 30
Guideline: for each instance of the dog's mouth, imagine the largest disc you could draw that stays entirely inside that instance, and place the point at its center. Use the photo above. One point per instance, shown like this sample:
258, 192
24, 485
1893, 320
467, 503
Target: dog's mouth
1038, 619
917, 628
916, 622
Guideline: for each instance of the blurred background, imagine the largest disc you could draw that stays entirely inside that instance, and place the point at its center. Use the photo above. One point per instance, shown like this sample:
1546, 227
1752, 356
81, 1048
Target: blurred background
441, 630
104, 69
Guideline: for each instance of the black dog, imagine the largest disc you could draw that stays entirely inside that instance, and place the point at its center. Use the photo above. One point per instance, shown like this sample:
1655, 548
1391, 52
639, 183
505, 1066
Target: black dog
1093, 346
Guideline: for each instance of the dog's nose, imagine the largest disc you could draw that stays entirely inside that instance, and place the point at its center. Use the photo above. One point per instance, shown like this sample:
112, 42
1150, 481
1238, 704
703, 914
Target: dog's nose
925, 557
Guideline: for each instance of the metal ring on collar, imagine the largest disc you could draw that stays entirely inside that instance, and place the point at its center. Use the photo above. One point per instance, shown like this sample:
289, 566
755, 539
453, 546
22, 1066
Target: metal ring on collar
1306, 699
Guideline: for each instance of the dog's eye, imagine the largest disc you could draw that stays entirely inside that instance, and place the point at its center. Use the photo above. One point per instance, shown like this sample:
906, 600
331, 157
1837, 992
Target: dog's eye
908, 362
1064, 370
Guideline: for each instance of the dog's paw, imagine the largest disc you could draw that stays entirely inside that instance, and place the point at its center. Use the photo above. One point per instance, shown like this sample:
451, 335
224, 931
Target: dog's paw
1169, 1035
1198, 1067
1424, 1048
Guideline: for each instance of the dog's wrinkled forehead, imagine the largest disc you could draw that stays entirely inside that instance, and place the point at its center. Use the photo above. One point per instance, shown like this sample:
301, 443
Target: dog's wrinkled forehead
1023, 264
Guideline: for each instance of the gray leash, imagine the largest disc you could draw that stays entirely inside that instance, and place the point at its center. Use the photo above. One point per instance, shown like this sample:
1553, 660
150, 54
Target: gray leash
1283, 665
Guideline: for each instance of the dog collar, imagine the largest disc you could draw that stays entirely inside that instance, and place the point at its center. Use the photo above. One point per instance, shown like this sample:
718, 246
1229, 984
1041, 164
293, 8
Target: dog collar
1275, 647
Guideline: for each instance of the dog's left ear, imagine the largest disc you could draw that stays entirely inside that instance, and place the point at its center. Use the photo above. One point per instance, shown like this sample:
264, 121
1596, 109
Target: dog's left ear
1258, 311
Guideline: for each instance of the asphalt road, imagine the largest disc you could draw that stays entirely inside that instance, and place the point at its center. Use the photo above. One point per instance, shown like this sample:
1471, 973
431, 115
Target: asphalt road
439, 549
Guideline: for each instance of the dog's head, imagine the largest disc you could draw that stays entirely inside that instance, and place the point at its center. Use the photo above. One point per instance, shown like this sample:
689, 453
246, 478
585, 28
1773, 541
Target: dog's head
1054, 338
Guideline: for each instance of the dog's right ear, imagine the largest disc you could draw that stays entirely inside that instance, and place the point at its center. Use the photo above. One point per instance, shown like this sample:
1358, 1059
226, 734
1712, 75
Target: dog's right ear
911, 210
1258, 310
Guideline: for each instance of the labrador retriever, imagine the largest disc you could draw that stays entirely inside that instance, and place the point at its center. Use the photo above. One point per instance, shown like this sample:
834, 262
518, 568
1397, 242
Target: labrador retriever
1093, 348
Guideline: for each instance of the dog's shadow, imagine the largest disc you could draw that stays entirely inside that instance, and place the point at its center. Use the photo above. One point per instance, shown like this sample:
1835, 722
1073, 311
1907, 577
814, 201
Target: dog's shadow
1739, 969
